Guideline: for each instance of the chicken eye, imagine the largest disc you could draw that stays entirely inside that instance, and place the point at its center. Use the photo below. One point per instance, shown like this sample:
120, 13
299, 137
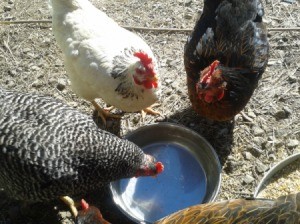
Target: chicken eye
141, 70
202, 85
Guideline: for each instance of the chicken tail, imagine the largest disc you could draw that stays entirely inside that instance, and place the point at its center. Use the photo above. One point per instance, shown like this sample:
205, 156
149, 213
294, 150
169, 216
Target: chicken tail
58, 5
50, 7
233, 15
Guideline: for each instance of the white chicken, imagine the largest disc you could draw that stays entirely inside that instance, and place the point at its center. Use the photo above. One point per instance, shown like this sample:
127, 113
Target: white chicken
104, 60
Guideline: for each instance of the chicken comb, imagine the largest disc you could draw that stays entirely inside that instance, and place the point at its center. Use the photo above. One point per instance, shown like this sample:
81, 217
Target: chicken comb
84, 204
159, 167
145, 59
213, 66
208, 71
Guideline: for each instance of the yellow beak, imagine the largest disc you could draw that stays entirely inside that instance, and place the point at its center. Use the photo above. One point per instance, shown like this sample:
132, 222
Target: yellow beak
153, 78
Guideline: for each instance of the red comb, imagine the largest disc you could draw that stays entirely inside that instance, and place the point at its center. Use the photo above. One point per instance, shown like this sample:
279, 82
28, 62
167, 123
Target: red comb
145, 59
208, 71
84, 204
159, 167
213, 66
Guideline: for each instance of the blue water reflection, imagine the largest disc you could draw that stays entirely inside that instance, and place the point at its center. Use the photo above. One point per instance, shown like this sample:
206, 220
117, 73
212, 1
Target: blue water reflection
182, 184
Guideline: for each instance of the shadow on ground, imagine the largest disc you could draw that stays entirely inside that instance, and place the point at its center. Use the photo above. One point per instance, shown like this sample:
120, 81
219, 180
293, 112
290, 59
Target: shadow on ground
112, 125
13, 212
218, 134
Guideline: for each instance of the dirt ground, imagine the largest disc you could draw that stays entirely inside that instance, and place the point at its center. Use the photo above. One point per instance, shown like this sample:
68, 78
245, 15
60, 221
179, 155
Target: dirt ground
267, 130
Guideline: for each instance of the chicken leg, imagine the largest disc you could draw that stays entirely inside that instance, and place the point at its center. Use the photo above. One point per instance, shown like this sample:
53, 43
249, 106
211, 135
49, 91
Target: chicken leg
104, 114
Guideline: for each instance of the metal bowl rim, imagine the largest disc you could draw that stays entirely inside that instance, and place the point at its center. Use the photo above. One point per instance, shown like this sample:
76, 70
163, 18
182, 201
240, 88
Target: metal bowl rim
283, 163
116, 197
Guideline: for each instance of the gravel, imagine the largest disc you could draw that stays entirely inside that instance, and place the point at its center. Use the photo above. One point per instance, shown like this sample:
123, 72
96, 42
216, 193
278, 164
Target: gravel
284, 182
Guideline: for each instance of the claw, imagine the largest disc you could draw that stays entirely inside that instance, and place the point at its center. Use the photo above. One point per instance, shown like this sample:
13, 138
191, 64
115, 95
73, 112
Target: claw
104, 114
70, 202
149, 110
109, 108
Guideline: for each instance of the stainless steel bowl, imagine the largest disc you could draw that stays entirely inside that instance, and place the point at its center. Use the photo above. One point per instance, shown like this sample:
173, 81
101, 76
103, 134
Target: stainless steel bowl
273, 171
192, 173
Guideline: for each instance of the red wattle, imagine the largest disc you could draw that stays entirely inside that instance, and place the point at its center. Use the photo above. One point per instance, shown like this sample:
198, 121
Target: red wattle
148, 85
220, 95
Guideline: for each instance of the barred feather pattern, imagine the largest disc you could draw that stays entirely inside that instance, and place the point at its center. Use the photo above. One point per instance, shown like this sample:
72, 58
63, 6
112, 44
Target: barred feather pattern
48, 149
284, 210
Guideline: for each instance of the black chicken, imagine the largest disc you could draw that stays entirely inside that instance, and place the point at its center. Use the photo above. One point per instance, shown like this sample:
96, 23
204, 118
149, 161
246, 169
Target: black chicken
50, 150
225, 56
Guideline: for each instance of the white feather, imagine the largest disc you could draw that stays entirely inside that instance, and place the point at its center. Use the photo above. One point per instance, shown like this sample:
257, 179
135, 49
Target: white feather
90, 40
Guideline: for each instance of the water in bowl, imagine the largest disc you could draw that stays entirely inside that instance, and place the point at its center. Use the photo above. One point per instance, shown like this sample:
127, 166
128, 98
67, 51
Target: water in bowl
182, 184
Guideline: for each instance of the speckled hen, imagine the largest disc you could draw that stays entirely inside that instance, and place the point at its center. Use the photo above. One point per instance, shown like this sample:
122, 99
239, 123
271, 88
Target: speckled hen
49, 150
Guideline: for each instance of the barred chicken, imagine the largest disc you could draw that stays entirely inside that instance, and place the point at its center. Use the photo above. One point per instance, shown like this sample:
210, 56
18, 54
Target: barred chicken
104, 60
50, 150
225, 56
284, 210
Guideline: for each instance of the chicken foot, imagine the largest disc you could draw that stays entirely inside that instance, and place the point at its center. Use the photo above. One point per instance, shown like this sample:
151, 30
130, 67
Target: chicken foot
104, 114
109, 108
145, 111
149, 110
71, 204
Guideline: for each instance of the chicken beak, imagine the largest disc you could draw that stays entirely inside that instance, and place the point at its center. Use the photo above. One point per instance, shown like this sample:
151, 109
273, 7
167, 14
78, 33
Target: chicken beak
153, 78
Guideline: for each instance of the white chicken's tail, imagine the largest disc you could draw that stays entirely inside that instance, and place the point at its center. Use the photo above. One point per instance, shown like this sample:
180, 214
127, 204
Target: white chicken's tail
50, 6
69, 4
